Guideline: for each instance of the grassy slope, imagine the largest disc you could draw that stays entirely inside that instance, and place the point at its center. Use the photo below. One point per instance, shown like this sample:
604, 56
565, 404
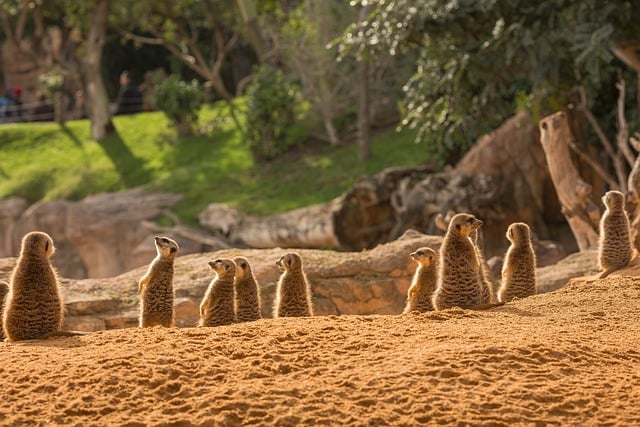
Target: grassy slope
46, 161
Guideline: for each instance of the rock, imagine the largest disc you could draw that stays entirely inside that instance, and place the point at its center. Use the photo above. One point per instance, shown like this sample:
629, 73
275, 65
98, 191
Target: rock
553, 277
102, 235
83, 323
187, 312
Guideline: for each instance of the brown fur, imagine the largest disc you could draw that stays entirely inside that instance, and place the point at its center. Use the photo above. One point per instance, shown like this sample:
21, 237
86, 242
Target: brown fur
247, 292
293, 295
519, 268
614, 249
424, 281
33, 306
216, 308
459, 276
156, 286
4, 290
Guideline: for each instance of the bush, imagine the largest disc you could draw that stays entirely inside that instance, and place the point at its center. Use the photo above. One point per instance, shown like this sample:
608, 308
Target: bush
180, 101
272, 101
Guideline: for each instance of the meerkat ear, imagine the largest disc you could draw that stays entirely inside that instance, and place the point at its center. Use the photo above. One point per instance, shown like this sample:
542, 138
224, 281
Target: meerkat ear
173, 250
458, 227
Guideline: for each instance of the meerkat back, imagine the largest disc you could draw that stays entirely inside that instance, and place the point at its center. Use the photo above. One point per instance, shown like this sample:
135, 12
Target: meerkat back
156, 286
33, 306
216, 308
293, 294
423, 285
614, 249
247, 301
519, 278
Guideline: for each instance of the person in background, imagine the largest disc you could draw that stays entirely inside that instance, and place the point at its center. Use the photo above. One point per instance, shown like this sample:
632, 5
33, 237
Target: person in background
129, 98
16, 105
5, 102
43, 111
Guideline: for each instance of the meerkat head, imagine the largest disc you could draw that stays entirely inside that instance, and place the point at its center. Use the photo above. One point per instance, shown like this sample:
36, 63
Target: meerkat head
166, 247
613, 200
223, 266
518, 232
463, 224
37, 242
243, 268
424, 256
290, 261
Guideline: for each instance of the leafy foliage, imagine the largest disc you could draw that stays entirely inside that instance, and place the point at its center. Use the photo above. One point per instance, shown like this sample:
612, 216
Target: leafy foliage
180, 101
273, 101
476, 56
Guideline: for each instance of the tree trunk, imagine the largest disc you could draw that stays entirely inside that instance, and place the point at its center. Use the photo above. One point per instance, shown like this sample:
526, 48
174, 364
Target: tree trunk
364, 113
97, 100
364, 116
574, 194
250, 18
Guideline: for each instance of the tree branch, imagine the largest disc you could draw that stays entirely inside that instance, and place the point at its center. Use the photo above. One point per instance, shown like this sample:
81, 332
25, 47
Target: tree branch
623, 128
594, 165
615, 158
22, 20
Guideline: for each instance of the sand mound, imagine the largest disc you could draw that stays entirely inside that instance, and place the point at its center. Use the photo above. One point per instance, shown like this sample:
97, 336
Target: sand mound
567, 357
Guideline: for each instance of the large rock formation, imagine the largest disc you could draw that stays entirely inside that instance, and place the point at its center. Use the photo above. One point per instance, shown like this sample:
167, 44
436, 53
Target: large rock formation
101, 235
366, 282
503, 179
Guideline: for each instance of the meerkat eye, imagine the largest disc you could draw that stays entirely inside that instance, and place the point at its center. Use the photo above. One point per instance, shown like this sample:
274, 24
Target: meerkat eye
163, 240
243, 265
458, 227
289, 261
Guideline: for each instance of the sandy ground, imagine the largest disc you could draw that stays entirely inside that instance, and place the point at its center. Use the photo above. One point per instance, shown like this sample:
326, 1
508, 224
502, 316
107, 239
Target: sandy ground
571, 357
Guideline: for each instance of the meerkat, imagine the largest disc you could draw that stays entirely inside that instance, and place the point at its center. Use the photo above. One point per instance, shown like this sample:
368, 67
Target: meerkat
488, 296
424, 281
459, 277
519, 268
293, 294
156, 286
246, 299
216, 308
33, 306
614, 249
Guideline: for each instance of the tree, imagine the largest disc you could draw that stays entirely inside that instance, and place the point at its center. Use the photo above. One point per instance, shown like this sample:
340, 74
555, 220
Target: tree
33, 30
479, 57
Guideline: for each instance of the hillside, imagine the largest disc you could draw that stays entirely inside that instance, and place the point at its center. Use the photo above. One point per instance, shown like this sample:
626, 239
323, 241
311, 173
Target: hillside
47, 161
568, 357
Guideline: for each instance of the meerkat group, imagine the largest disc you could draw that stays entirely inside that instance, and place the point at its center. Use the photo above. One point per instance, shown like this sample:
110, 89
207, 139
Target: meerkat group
31, 305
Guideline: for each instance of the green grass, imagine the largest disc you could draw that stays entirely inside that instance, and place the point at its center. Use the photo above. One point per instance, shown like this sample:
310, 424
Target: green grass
47, 161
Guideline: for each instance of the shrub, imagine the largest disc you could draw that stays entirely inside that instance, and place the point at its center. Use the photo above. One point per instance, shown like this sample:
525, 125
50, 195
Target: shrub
272, 102
180, 101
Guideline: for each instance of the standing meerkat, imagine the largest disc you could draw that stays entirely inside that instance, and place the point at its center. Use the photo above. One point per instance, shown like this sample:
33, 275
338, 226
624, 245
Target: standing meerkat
614, 249
33, 306
459, 276
216, 308
246, 299
4, 290
293, 294
156, 286
519, 268
424, 281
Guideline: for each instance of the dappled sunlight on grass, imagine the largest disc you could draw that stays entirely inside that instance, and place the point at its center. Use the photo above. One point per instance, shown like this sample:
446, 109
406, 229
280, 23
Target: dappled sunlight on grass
50, 161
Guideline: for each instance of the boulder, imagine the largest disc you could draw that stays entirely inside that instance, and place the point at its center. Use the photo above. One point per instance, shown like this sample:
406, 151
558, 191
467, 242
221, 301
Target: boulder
102, 235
